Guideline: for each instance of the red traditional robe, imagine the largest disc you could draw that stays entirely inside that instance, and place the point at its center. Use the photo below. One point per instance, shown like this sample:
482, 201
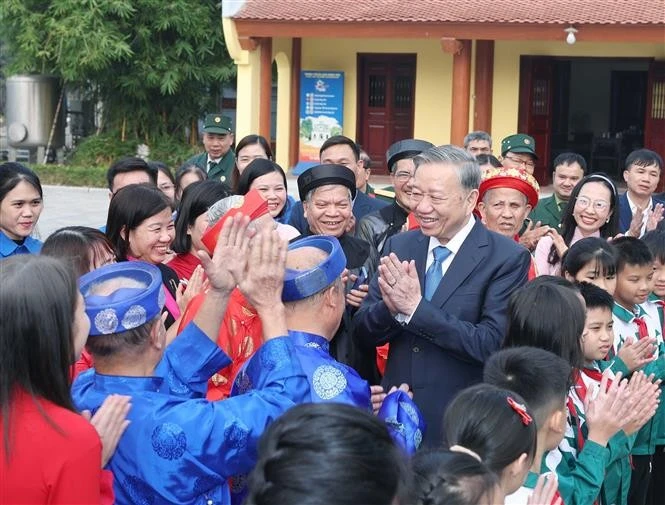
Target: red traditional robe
240, 335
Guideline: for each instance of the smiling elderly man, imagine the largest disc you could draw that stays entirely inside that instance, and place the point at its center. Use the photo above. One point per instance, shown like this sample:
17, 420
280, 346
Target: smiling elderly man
442, 292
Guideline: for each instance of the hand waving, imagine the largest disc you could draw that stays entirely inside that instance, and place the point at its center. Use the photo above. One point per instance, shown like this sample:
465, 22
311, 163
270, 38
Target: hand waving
230, 255
263, 277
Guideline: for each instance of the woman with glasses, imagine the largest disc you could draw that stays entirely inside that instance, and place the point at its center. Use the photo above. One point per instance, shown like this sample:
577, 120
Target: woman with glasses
591, 212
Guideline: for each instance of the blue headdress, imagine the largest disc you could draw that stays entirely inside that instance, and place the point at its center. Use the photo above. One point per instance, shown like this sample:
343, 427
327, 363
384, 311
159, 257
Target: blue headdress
125, 308
404, 421
300, 284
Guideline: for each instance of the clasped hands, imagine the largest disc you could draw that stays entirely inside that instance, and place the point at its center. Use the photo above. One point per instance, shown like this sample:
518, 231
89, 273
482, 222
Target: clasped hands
399, 285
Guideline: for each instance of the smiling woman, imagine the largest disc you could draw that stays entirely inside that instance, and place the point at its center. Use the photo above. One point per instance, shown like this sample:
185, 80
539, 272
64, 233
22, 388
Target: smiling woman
140, 227
21, 204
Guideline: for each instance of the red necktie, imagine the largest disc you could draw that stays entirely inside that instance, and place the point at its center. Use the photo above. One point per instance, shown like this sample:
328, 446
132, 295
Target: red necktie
642, 330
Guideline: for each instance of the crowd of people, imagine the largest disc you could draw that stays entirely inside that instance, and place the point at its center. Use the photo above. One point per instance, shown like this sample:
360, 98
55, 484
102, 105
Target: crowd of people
454, 338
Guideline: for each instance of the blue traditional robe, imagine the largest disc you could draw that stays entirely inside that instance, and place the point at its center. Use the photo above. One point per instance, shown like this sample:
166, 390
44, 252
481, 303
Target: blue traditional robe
329, 380
180, 448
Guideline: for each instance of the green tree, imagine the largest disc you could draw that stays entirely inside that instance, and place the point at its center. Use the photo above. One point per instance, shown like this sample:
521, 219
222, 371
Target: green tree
306, 129
155, 65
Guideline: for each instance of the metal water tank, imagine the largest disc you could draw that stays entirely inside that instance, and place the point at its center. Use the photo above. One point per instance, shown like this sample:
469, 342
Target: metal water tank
32, 101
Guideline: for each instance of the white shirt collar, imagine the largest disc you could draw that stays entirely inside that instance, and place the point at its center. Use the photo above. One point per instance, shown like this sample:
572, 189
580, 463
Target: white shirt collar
210, 160
456, 242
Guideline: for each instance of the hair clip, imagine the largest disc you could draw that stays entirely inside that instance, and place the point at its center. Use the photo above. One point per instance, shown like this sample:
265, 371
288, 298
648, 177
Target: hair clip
521, 411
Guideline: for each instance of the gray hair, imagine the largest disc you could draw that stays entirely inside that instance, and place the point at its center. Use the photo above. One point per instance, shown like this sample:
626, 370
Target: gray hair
468, 170
477, 135
221, 207
311, 192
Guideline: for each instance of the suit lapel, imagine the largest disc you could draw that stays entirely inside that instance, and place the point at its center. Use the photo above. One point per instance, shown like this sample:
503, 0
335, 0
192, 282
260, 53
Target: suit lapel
471, 253
625, 214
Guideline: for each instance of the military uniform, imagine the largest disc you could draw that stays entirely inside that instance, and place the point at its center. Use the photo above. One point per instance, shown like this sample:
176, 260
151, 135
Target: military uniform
222, 168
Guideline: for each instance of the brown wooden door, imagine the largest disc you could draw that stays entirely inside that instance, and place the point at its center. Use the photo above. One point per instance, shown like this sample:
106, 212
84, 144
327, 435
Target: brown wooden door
654, 124
535, 108
386, 94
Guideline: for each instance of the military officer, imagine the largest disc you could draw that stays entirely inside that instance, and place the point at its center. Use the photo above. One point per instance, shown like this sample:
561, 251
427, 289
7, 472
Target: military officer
218, 159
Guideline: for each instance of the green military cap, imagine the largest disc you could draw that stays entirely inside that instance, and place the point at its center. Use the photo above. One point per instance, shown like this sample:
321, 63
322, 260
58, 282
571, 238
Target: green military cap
519, 143
216, 123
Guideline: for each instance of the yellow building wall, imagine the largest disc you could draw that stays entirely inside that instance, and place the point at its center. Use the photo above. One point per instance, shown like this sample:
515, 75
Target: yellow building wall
433, 78
505, 100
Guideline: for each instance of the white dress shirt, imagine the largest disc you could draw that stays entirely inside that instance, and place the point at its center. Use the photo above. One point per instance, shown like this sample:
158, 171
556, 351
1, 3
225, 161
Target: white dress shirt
453, 246
645, 216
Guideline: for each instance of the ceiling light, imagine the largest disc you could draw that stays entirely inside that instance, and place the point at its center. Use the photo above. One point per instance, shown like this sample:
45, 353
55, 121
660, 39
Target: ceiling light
570, 38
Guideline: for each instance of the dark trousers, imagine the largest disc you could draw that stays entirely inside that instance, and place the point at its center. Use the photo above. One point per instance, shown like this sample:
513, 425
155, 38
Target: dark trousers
656, 494
639, 480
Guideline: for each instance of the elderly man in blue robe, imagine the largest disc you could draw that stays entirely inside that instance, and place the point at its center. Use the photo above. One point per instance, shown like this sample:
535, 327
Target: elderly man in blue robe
314, 298
180, 448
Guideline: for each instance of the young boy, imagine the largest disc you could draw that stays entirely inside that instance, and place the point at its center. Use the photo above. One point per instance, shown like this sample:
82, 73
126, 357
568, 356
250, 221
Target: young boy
635, 316
655, 241
543, 380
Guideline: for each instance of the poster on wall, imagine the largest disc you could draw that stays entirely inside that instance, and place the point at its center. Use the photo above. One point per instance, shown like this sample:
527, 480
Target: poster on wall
321, 113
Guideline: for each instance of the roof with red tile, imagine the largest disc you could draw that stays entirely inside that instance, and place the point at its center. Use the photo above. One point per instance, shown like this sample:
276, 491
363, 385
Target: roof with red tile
459, 11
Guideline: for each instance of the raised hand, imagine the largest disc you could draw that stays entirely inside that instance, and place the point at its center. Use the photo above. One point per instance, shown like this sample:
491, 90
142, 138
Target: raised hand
655, 217
230, 255
263, 278
645, 394
532, 234
187, 291
110, 422
558, 242
545, 491
607, 413
635, 228
636, 354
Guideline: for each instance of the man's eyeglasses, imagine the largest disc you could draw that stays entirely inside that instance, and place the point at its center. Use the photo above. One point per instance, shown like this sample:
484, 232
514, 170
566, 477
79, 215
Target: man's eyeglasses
525, 163
403, 176
598, 205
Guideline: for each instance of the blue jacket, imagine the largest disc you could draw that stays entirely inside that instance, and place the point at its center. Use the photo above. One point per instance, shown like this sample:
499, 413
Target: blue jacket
180, 448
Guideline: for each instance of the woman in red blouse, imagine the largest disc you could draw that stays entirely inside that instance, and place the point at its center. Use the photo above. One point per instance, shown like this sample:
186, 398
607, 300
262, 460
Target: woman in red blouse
48, 452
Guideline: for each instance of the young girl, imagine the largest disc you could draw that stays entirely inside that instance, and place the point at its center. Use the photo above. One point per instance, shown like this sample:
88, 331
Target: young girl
21, 204
495, 426
327, 453
592, 260
442, 477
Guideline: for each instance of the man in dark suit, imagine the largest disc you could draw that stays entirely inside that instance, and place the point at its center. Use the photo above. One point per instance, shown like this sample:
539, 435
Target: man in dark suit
341, 150
442, 291
637, 204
